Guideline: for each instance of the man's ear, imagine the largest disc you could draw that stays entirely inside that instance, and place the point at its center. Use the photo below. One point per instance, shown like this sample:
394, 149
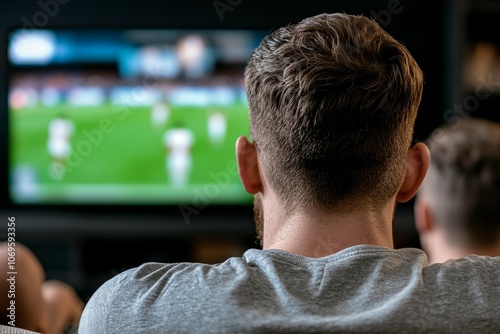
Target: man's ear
417, 164
424, 221
248, 165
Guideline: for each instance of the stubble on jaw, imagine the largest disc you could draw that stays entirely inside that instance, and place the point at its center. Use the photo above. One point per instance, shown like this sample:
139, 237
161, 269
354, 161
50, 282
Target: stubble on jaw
258, 218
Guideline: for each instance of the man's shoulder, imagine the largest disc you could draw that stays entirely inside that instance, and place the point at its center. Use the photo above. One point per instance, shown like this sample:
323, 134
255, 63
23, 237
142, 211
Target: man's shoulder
146, 287
155, 273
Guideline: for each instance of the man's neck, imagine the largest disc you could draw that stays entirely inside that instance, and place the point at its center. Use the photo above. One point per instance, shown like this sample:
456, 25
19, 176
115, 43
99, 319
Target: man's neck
316, 234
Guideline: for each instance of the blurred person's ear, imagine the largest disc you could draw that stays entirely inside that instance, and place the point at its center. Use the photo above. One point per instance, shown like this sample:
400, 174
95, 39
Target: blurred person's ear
417, 164
248, 165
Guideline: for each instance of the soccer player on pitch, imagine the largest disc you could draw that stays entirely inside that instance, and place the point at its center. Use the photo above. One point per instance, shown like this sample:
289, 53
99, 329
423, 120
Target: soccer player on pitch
178, 142
59, 146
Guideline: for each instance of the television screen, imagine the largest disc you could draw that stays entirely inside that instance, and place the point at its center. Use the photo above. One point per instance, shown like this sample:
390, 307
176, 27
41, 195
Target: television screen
127, 116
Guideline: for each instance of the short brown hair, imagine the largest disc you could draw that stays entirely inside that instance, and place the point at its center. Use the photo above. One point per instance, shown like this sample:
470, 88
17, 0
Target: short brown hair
333, 101
462, 186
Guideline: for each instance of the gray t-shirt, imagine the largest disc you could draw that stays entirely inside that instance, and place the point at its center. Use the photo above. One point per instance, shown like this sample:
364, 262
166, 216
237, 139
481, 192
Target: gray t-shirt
361, 289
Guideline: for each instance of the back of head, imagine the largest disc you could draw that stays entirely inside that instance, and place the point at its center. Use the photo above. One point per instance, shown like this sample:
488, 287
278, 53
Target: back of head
333, 101
462, 186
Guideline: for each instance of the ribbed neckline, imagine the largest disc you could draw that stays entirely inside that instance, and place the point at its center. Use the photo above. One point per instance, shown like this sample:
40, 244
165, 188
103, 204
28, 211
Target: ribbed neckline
252, 255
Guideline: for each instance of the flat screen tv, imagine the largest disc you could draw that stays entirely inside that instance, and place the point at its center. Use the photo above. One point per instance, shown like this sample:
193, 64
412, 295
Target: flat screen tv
126, 116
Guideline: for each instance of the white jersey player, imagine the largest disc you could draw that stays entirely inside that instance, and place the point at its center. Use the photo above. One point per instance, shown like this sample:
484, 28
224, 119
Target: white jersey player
60, 132
159, 115
216, 127
178, 142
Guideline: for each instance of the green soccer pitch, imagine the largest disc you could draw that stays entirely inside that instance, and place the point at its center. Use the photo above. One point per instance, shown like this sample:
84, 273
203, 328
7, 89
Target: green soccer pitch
118, 155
